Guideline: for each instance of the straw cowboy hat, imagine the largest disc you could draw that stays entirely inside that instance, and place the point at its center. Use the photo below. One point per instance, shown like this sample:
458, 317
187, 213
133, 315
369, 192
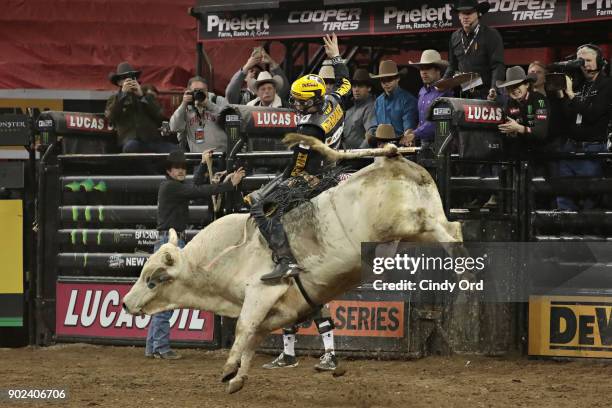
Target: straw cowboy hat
327, 72
265, 77
384, 133
430, 57
466, 5
361, 76
124, 70
514, 76
387, 68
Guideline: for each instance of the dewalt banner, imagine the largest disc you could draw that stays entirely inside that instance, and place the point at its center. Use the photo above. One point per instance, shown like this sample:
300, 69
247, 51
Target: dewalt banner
570, 326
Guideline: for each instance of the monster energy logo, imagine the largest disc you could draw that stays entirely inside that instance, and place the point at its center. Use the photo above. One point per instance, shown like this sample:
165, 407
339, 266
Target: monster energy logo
541, 103
88, 185
443, 127
87, 213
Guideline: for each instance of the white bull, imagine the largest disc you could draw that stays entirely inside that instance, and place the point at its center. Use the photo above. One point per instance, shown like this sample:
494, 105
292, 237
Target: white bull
220, 269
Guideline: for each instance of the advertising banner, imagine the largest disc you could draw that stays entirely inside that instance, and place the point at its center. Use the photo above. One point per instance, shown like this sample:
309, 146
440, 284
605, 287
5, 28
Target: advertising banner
11, 253
93, 310
283, 23
435, 15
586, 10
570, 326
356, 318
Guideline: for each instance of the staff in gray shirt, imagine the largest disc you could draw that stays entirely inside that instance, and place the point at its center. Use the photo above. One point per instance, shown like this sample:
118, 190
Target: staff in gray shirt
195, 120
361, 115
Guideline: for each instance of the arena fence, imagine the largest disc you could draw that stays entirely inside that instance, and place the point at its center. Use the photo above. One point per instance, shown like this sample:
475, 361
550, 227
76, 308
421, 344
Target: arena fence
98, 218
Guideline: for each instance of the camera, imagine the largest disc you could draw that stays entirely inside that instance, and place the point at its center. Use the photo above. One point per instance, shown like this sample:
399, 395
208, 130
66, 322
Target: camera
566, 66
198, 96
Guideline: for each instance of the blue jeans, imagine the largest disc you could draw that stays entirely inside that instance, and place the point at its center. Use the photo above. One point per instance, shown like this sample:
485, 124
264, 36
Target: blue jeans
158, 337
584, 168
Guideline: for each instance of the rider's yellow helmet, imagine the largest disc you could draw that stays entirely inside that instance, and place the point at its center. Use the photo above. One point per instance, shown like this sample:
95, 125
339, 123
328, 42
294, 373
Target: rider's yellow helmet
307, 91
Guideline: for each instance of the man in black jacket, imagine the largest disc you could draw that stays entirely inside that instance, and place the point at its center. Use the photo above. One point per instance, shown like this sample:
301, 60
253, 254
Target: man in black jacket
477, 48
173, 212
589, 111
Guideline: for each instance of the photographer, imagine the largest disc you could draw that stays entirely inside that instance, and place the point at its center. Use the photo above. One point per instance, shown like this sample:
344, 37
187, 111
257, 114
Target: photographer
195, 120
587, 106
135, 115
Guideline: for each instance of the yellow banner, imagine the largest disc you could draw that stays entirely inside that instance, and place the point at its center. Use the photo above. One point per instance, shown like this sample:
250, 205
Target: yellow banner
11, 246
20, 105
570, 326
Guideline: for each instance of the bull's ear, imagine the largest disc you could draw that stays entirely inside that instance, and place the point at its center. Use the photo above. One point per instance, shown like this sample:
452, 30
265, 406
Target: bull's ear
168, 260
173, 237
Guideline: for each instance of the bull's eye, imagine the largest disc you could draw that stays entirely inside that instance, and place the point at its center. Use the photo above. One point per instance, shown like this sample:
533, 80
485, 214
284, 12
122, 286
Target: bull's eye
151, 285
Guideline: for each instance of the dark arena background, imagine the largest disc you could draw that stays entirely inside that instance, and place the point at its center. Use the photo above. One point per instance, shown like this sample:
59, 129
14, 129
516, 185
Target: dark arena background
79, 217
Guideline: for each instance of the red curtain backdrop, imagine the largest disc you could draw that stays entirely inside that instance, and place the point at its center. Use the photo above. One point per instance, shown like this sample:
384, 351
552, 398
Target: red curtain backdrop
74, 44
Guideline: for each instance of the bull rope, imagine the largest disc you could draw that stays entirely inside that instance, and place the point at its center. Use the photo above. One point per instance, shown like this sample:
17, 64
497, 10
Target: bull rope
216, 199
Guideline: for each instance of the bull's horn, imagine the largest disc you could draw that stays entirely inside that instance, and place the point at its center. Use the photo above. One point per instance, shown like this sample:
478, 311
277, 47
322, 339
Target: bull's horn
173, 237
390, 150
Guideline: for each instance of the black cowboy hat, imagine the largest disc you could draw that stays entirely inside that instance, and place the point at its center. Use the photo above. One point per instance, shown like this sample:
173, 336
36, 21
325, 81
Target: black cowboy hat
361, 76
466, 5
124, 70
175, 158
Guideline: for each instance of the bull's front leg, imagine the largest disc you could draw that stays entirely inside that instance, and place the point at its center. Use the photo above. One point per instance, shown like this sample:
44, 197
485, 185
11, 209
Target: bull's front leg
259, 299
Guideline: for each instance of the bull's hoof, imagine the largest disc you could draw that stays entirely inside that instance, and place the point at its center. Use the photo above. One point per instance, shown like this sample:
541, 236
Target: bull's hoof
229, 373
235, 385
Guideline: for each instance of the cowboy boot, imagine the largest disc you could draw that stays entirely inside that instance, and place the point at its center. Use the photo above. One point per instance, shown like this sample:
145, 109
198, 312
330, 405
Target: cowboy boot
286, 265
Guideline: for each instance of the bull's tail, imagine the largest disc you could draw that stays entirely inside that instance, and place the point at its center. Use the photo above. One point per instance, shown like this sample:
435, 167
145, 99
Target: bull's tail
230, 248
388, 150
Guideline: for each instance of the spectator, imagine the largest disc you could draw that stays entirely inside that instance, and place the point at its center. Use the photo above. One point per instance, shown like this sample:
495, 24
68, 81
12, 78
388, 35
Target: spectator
266, 86
327, 73
385, 133
359, 118
173, 212
477, 48
527, 121
195, 120
538, 69
431, 66
136, 116
395, 106
248, 73
589, 110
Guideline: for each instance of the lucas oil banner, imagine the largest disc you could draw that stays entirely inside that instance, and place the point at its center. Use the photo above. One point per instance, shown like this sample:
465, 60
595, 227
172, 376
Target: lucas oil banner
403, 17
93, 310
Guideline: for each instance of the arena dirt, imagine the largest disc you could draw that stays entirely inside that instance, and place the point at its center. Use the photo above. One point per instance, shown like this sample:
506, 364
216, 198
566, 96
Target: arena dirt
98, 376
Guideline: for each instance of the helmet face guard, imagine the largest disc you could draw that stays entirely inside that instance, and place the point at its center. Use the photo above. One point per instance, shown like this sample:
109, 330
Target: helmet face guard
301, 105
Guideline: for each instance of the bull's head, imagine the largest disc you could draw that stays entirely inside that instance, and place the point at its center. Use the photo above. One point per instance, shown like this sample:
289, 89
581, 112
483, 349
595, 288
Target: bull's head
161, 281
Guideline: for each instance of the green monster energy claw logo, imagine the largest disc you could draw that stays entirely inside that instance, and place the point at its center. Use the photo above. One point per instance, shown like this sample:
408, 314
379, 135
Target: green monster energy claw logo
541, 102
87, 213
88, 185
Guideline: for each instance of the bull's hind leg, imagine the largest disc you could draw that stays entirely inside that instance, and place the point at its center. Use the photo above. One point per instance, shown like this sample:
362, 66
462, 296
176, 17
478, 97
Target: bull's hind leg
259, 299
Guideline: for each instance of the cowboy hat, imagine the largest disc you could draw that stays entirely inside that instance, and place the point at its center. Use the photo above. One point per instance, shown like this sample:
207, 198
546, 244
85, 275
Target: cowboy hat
176, 157
327, 72
124, 70
466, 5
265, 77
361, 76
384, 133
430, 57
514, 76
387, 68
